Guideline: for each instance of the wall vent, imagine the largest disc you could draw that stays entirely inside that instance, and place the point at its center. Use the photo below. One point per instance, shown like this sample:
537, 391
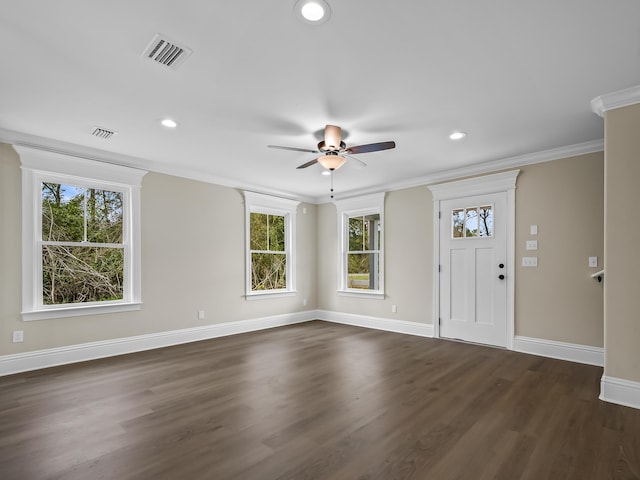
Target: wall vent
166, 52
103, 133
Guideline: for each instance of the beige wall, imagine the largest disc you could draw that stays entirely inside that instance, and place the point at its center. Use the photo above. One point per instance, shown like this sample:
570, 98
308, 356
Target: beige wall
622, 239
556, 301
192, 259
408, 262
559, 300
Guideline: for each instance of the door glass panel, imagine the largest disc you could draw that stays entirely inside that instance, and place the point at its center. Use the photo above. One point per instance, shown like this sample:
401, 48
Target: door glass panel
472, 222
486, 221
457, 222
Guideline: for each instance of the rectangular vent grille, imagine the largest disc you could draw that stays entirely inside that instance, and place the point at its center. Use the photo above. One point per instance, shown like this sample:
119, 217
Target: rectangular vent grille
165, 52
103, 133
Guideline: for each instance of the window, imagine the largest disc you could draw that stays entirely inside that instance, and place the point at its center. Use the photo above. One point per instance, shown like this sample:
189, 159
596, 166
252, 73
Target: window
81, 242
361, 239
81, 236
363, 252
472, 222
270, 227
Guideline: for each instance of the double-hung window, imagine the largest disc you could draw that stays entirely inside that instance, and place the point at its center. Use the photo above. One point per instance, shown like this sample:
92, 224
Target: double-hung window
270, 245
361, 256
81, 237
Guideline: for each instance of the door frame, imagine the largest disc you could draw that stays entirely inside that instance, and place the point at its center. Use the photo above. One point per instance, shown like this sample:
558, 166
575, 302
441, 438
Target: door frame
486, 184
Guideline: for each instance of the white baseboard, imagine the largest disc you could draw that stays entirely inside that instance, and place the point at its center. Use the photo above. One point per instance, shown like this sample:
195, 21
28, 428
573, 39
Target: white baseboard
620, 391
23, 362
560, 350
377, 323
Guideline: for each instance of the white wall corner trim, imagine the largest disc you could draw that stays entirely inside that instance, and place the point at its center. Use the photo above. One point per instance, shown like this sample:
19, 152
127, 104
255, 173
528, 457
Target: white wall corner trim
620, 391
613, 100
23, 362
560, 350
377, 323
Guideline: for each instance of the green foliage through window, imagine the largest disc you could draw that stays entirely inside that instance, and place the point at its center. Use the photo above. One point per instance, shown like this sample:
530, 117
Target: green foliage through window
267, 241
363, 252
82, 254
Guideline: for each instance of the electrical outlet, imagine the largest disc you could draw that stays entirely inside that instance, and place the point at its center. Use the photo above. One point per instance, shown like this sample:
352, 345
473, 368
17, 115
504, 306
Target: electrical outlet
533, 229
304, 302
593, 262
18, 336
394, 309
200, 314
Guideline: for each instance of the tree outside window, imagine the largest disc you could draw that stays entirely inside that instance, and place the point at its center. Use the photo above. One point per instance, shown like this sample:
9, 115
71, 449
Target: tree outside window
82, 254
270, 245
268, 252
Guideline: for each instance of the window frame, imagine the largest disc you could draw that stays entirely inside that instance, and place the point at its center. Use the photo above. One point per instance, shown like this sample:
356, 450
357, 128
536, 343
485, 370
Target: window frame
40, 166
270, 205
355, 207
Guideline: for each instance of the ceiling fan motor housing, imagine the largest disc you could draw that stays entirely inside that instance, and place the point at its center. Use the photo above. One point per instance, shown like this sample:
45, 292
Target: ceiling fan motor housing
323, 147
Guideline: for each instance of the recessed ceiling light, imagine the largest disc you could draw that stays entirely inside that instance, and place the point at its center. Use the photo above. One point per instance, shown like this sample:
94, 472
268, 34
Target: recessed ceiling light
313, 11
457, 135
169, 123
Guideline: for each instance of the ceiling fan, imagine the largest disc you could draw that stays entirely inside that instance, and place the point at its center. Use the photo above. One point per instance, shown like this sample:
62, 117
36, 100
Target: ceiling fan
334, 150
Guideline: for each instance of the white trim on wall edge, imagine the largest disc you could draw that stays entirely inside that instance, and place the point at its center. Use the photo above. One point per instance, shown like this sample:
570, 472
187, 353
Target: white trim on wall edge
24, 362
563, 351
615, 390
620, 391
377, 323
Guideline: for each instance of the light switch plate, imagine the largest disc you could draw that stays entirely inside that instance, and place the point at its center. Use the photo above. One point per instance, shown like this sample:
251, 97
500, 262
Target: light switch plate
533, 229
532, 244
529, 261
593, 262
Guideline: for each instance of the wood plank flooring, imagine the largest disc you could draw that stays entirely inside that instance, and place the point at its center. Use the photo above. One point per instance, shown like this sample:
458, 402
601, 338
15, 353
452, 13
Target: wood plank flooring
316, 401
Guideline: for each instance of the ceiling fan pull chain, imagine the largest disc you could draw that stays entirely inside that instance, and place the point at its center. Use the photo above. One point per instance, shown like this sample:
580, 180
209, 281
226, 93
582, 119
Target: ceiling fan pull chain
331, 175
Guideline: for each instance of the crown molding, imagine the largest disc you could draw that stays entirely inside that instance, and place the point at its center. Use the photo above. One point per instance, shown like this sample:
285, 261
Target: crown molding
33, 141
90, 153
613, 100
487, 167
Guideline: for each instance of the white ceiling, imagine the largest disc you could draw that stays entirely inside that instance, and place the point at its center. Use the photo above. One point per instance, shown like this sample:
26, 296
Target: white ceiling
518, 76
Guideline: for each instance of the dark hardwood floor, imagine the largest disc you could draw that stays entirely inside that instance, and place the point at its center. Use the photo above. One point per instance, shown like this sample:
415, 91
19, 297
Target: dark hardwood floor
316, 401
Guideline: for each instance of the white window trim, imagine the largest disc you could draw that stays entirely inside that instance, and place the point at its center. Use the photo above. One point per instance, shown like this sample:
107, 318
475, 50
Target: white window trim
43, 165
267, 204
364, 205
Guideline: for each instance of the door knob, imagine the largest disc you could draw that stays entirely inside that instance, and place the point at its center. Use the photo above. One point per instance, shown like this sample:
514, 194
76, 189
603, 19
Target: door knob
501, 277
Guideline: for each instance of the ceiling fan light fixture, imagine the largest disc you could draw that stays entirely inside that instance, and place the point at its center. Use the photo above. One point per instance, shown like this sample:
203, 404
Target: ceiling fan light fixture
331, 162
313, 11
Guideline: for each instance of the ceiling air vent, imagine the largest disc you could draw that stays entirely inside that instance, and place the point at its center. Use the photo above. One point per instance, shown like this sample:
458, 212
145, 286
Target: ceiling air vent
103, 133
166, 52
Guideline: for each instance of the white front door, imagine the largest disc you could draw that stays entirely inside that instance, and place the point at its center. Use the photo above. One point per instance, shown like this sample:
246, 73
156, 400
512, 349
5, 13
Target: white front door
473, 269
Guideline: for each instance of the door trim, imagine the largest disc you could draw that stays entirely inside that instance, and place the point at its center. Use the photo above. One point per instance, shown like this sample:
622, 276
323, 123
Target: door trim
486, 184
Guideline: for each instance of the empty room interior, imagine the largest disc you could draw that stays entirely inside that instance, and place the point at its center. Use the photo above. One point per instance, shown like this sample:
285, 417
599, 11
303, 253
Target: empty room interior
318, 239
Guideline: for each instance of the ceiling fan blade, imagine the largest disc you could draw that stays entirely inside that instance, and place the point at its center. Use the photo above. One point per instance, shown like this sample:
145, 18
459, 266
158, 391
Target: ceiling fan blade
332, 137
371, 147
308, 164
361, 163
294, 149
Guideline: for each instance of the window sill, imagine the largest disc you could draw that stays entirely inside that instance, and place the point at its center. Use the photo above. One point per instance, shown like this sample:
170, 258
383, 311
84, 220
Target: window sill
274, 294
376, 294
78, 311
